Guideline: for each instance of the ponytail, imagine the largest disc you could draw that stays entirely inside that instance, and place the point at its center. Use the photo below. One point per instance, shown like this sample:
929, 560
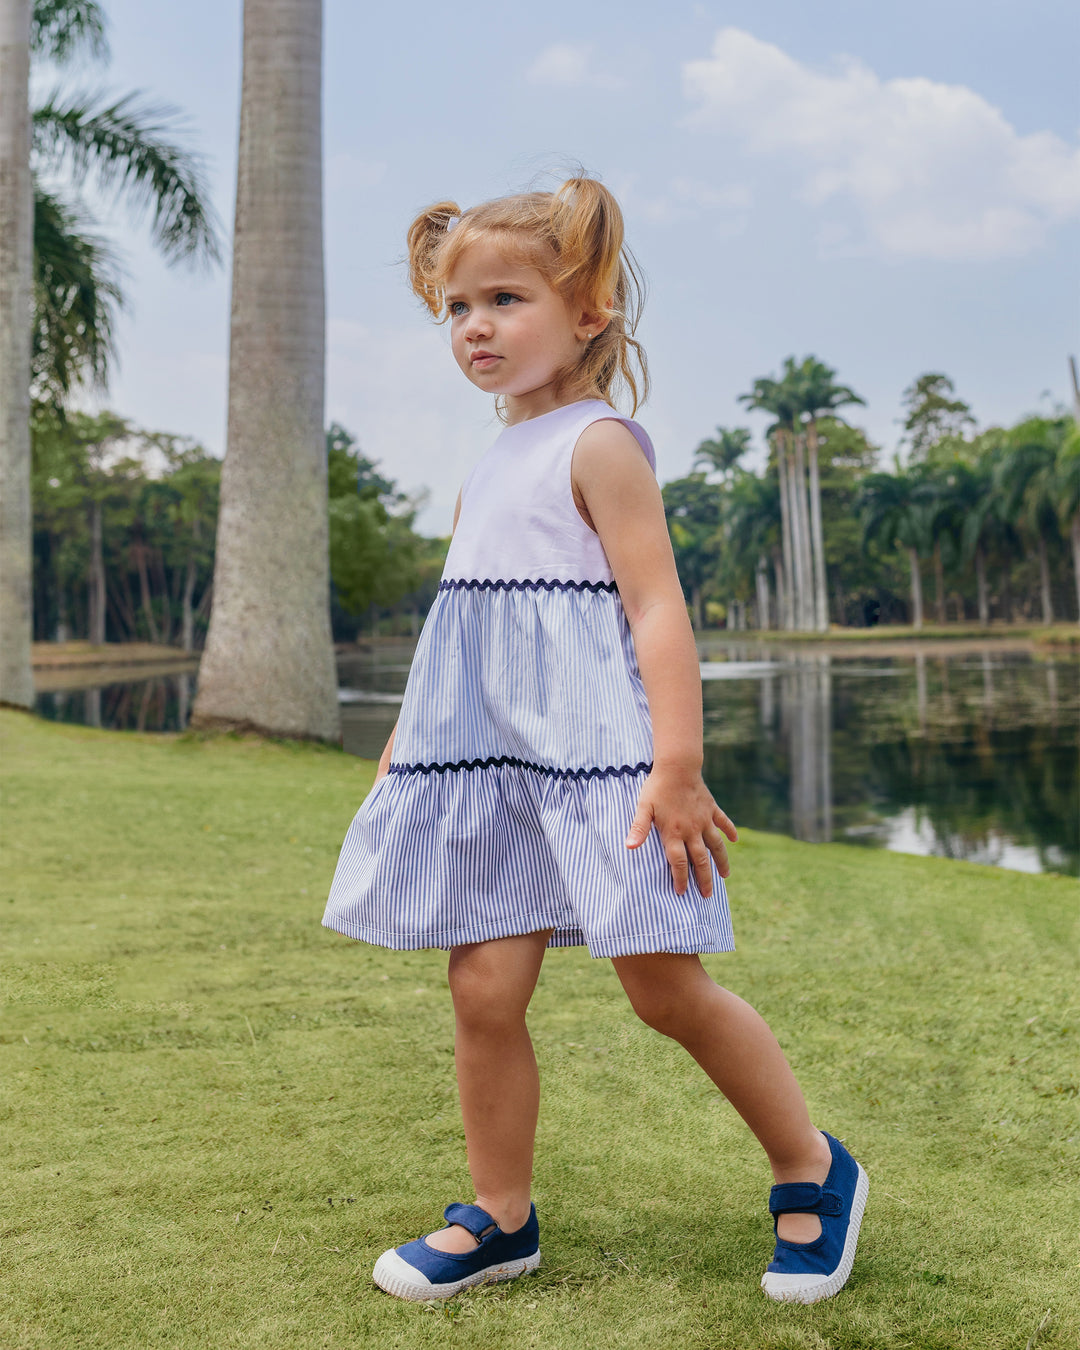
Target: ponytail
575, 238
427, 234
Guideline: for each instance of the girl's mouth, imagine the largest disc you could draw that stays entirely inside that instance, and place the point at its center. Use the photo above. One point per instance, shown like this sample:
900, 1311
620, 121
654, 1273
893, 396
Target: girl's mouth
483, 360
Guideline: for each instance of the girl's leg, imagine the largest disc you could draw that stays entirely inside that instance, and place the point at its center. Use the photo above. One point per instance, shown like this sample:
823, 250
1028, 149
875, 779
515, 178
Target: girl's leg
491, 984
733, 1044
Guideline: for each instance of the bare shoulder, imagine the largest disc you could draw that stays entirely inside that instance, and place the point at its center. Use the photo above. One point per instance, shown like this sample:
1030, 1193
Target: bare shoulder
608, 444
609, 466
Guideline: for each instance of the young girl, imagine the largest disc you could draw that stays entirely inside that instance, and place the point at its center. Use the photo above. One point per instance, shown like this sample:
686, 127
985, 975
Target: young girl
543, 785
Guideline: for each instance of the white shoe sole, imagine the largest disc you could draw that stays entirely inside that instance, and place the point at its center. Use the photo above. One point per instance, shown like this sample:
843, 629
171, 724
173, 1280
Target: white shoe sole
397, 1277
813, 1288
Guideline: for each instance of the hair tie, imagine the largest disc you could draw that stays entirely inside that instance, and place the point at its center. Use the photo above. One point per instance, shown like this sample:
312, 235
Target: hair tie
452, 223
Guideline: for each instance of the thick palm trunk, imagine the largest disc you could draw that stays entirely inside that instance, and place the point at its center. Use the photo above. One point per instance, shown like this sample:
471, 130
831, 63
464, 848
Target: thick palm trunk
1044, 582
821, 594
16, 263
980, 586
269, 660
916, 588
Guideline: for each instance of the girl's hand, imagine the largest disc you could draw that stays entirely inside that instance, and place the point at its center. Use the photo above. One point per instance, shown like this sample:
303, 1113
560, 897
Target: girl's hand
690, 824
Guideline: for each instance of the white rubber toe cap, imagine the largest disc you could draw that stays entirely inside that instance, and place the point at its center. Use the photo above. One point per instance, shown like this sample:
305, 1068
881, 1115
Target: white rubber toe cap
398, 1277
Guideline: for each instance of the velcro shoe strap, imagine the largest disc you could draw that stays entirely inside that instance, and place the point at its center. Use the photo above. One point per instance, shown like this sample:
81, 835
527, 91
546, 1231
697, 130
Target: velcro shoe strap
804, 1197
472, 1218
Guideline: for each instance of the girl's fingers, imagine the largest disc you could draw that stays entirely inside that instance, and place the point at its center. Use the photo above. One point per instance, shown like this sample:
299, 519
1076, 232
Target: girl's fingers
680, 867
728, 827
718, 849
640, 826
702, 871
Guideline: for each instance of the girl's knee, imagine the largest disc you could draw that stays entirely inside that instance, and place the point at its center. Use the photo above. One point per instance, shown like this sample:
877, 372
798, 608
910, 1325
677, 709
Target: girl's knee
484, 997
657, 1010
665, 991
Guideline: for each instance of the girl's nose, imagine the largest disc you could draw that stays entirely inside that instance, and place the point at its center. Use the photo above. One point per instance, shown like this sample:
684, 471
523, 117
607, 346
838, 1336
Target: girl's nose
478, 325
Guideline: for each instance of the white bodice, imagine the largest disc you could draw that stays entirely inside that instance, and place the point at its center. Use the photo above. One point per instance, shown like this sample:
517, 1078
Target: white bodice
518, 518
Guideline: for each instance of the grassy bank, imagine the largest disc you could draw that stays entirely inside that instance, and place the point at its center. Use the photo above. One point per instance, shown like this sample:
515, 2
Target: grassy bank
217, 1114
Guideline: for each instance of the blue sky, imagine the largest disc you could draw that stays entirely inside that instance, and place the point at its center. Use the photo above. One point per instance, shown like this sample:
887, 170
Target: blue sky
894, 189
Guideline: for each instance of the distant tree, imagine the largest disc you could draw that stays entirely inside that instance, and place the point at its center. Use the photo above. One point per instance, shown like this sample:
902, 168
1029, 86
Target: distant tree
375, 557
1028, 476
777, 399
816, 395
895, 512
721, 453
931, 414
692, 507
751, 513
1068, 473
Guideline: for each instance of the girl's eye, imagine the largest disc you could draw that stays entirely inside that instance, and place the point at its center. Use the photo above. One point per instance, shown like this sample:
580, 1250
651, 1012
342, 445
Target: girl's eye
505, 298
456, 308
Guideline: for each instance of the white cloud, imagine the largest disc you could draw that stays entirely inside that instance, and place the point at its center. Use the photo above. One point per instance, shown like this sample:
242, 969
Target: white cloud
568, 63
933, 169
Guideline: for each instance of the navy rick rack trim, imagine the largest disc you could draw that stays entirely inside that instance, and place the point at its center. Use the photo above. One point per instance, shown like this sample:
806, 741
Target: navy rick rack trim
509, 761
595, 586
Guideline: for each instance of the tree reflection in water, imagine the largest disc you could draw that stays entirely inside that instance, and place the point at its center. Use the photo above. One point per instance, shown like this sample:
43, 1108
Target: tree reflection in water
970, 756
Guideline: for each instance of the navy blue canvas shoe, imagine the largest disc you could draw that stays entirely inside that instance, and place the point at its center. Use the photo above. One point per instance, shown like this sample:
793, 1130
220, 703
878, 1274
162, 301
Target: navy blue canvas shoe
805, 1272
417, 1271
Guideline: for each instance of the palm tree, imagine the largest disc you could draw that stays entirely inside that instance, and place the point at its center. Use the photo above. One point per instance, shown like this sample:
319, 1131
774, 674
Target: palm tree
1069, 484
894, 510
52, 269
16, 207
722, 453
769, 395
127, 147
752, 524
692, 507
818, 394
269, 659
1028, 475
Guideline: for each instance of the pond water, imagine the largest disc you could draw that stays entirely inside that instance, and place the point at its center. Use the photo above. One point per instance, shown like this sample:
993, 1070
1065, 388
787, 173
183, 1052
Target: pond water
961, 751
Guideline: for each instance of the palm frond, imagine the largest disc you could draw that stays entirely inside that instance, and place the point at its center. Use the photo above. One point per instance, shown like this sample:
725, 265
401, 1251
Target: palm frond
127, 144
76, 298
58, 28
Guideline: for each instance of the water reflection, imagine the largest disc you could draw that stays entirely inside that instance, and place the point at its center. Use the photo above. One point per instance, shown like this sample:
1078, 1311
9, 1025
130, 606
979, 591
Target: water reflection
156, 703
966, 752
974, 756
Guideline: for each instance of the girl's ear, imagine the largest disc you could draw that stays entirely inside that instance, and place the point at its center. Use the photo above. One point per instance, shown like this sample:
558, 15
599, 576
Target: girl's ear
589, 323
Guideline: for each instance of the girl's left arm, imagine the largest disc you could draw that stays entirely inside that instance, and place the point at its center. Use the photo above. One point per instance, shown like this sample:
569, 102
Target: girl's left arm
618, 495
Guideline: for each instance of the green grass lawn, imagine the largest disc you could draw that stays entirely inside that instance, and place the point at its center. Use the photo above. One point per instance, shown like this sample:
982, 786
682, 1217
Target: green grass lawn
216, 1114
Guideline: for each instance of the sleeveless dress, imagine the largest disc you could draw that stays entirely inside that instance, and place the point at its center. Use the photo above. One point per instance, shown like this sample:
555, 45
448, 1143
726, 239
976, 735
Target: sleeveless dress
524, 739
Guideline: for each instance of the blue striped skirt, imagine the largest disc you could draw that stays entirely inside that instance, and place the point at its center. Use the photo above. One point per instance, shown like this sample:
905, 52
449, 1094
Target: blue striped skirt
443, 858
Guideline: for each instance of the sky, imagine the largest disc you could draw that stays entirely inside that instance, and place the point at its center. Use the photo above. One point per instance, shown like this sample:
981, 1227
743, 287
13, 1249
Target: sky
894, 189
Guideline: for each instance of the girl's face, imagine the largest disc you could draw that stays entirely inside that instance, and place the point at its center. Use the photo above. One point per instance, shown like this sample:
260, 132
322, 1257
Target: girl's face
511, 333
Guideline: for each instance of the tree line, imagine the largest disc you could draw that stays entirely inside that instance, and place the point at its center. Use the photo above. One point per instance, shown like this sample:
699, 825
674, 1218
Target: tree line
824, 534
125, 523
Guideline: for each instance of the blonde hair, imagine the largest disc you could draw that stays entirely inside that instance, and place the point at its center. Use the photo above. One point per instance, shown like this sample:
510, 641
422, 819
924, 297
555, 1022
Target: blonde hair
574, 237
